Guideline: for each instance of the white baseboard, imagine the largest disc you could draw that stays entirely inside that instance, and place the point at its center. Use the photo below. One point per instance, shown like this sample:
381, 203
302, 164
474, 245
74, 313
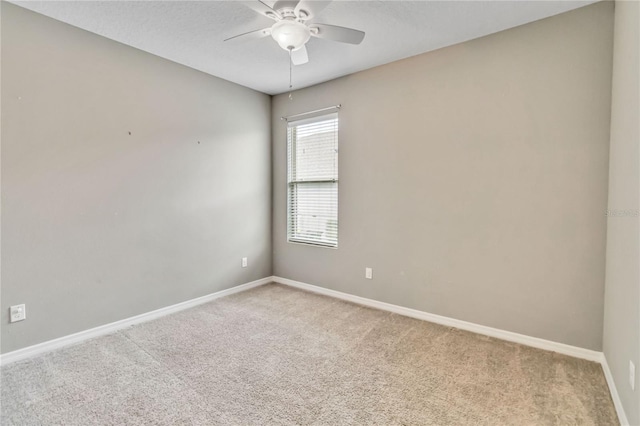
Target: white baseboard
535, 342
81, 336
617, 402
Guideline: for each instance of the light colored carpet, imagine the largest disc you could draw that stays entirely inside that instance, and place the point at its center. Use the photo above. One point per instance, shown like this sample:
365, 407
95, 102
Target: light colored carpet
279, 356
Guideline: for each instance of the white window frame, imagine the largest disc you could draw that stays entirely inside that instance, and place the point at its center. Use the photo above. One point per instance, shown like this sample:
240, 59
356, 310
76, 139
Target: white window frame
291, 184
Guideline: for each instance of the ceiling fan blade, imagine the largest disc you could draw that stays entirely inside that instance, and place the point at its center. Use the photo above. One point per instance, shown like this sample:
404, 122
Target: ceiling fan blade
300, 56
335, 33
307, 9
263, 9
251, 35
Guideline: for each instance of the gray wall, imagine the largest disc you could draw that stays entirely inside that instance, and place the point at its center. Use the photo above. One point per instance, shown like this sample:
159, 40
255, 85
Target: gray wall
622, 295
99, 225
473, 180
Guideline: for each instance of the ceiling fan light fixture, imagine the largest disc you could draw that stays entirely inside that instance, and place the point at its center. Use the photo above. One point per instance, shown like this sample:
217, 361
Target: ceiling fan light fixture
290, 35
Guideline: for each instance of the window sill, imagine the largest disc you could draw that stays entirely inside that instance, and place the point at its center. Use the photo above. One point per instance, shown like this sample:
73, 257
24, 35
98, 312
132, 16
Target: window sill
311, 244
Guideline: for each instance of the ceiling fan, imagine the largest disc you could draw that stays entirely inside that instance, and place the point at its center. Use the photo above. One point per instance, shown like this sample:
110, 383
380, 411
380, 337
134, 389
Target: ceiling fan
292, 29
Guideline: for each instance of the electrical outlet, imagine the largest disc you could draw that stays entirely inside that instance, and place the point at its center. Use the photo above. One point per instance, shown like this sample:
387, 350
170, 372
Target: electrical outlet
17, 313
632, 375
244, 262
368, 273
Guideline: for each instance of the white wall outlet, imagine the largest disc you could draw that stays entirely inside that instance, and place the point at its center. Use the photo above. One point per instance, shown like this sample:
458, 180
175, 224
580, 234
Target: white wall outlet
244, 262
368, 273
17, 313
632, 375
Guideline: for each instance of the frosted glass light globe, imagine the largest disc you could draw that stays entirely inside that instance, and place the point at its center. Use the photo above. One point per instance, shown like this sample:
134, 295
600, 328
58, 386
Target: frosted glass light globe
290, 35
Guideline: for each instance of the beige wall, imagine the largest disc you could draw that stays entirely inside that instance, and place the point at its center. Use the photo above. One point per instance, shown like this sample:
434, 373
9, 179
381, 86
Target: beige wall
473, 180
622, 296
99, 225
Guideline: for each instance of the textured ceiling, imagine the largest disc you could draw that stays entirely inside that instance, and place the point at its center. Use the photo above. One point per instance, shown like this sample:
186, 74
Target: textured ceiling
192, 33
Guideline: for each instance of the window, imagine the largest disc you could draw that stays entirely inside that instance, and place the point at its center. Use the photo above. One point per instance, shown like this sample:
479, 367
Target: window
312, 151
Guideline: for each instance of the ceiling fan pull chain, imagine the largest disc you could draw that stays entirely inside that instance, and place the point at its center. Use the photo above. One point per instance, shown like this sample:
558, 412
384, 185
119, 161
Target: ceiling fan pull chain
290, 73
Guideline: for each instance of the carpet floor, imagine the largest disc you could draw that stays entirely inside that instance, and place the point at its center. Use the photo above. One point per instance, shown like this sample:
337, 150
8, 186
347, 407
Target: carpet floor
275, 355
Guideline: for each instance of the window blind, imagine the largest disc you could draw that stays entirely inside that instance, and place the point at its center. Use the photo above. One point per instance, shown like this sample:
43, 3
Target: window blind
312, 154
